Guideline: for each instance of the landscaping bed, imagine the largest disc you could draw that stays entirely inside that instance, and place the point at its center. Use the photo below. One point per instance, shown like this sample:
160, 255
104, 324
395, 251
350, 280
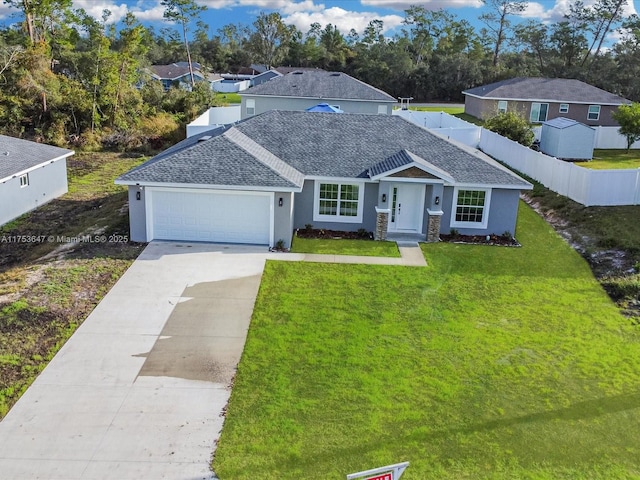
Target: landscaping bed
503, 240
309, 232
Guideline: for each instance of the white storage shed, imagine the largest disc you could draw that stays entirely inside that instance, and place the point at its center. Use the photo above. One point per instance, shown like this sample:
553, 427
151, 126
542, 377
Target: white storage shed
567, 139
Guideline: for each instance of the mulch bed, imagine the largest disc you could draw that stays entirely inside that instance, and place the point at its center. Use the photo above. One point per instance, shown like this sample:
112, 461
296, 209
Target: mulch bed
335, 234
481, 240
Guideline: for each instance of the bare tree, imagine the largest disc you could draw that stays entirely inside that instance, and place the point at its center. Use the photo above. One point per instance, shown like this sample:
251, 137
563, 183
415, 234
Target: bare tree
497, 21
183, 11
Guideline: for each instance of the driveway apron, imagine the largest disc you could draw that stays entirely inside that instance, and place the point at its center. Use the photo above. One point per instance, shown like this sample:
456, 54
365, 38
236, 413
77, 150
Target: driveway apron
139, 390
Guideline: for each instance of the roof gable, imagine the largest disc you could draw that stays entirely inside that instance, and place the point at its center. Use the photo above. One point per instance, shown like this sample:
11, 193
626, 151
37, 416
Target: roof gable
319, 84
17, 155
561, 90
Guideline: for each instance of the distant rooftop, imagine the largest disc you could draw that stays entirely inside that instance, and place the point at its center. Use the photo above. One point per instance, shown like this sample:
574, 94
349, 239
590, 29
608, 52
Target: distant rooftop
320, 84
547, 89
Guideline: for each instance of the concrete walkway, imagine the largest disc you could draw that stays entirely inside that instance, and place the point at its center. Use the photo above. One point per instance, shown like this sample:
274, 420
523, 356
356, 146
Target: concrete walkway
139, 390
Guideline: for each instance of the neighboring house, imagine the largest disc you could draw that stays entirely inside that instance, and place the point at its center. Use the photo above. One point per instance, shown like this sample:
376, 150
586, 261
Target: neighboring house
176, 74
31, 174
542, 99
567, 139
302, 89
258, 180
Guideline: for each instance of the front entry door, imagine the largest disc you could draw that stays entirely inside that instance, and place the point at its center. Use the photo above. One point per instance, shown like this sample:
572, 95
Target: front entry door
407, 206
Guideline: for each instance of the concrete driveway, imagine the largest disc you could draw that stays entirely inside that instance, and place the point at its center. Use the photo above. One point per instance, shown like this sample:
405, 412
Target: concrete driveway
140, 389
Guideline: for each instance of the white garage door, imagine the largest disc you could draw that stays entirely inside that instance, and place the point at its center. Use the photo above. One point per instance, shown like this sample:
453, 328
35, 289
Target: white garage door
225, 217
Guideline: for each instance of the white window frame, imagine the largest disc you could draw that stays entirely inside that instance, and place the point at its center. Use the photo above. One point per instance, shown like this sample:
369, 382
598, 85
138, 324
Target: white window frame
317, 217
502, 106
250, 107
564, 108
382, 110
24, 180
485, 208
537, 119
597, 115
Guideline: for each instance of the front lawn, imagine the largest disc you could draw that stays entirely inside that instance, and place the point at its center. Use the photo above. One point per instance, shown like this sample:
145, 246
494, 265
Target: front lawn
493, 362
228, 98
344, 246
612, 159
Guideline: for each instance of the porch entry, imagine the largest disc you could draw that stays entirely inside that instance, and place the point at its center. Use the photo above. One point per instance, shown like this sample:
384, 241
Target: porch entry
407, 207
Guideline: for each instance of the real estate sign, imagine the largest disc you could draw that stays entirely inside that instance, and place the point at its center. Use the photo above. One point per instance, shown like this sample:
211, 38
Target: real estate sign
390, 472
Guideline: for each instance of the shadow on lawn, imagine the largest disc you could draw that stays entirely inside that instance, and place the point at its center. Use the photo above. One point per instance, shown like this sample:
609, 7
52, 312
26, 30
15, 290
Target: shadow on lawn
588, 409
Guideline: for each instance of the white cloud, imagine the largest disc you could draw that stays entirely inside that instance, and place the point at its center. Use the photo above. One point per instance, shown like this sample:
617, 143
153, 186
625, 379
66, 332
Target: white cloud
344, 20
6, 11
96, 7
560, 8
428, 4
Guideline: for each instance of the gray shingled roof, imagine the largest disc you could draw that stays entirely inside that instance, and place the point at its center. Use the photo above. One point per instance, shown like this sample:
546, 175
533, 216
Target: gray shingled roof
173, 71
17, 155
209, 158
313, 144
319, 84
550, 89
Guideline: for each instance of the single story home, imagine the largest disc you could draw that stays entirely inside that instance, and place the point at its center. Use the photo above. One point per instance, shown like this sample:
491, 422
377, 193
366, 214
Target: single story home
567, 139
304, 88
257, 181
31, 174
176, 74
542, 99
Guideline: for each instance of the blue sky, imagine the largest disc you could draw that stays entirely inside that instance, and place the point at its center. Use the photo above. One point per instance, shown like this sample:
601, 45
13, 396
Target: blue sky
345, 14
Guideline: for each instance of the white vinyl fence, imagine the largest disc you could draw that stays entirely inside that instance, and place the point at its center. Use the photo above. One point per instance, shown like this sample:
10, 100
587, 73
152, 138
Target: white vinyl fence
585, 186
444, 124
609, 137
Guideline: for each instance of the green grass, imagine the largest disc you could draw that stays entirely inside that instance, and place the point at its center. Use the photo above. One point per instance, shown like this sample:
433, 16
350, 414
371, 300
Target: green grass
449, 110
612, 159
345, 247
228, 98
492, 362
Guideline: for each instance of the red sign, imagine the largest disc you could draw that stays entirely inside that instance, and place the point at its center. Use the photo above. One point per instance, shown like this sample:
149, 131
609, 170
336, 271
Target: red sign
384, 476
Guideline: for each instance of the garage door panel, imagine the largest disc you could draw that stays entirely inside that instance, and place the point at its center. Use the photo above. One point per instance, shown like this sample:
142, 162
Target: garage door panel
211, 216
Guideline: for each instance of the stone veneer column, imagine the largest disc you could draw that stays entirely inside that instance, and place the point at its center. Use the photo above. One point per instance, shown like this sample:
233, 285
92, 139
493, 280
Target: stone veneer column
382, 223
433, 226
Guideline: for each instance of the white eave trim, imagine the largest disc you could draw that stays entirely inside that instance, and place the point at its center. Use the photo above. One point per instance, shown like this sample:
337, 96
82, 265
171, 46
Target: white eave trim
36, 167
493, 186
538, 100
251, 188
339, 179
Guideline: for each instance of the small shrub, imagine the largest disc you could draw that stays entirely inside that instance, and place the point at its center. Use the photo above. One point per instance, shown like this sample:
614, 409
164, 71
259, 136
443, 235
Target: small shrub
362, 233
280, 245
506, 235
308, 227
454, 233
620, 288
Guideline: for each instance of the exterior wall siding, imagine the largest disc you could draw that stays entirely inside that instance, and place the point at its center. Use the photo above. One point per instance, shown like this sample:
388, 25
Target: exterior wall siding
137, 215
486, 108
266, 103
283, 218
503, 213
303, 210
45, 184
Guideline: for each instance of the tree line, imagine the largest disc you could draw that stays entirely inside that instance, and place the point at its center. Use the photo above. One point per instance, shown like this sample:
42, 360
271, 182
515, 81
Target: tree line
70, 79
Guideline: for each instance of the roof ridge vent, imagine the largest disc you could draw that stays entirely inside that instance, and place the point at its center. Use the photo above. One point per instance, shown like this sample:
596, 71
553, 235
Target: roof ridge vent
334, 74
297, 72
204, 138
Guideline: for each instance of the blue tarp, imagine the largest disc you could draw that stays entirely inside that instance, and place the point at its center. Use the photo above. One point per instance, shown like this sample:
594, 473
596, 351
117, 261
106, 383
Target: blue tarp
324, 107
